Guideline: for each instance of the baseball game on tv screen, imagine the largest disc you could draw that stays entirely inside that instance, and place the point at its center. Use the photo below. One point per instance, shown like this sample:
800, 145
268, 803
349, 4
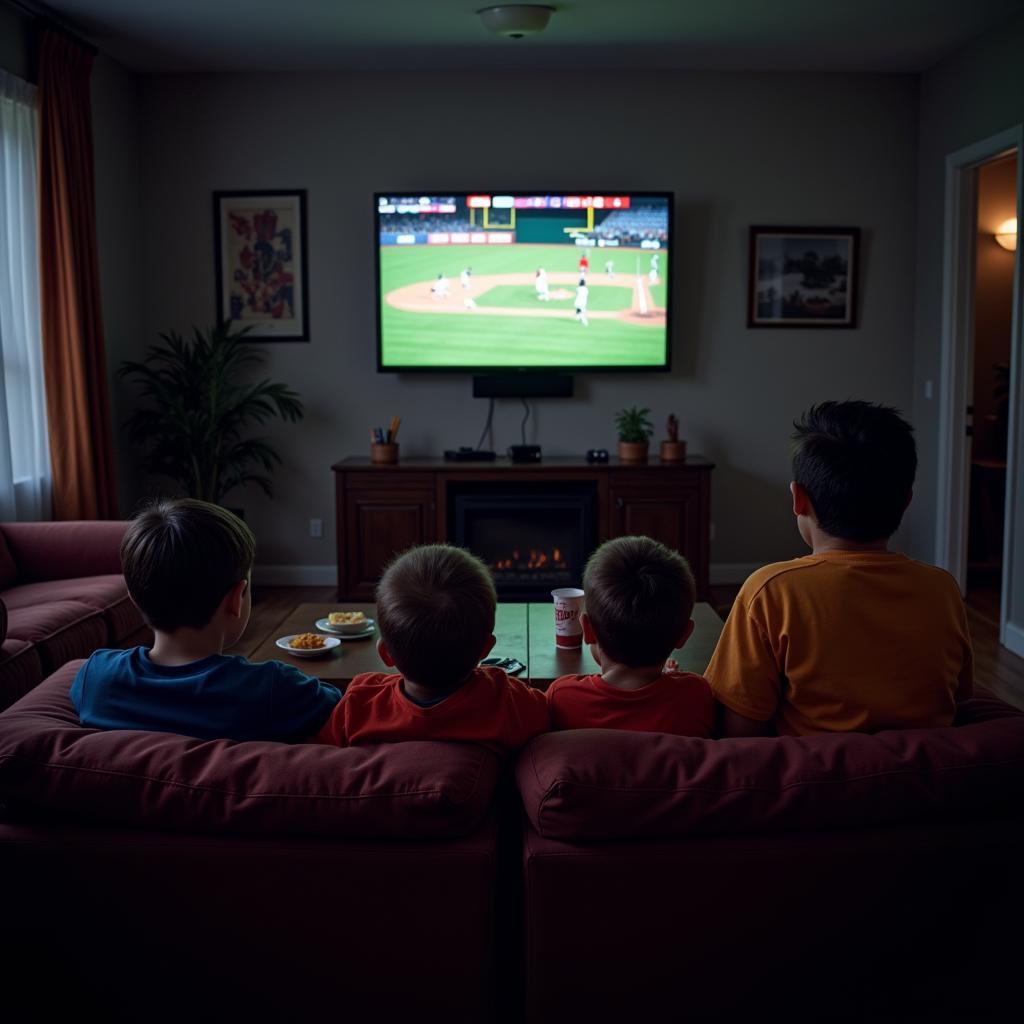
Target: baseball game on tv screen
523, 280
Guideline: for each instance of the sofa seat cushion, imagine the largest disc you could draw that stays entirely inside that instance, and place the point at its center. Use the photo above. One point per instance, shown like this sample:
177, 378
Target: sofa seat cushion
60, 630
107, 594
20, 670
599, 784
414, 790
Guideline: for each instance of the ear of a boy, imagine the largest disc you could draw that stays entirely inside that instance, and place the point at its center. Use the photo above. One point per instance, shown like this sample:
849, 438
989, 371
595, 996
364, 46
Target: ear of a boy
687, 633
488, 647
589, 636
232, 602
385, 654
800, 499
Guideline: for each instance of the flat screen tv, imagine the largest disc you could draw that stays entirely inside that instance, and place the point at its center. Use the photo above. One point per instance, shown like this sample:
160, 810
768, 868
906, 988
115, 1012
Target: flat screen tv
510, 281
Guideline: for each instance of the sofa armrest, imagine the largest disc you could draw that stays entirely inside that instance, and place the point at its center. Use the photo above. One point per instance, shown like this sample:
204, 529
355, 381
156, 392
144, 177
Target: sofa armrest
3, 622
62, 551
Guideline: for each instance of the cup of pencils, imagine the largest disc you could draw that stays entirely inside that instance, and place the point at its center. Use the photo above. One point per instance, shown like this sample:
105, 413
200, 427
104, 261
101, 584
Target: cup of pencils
383, 446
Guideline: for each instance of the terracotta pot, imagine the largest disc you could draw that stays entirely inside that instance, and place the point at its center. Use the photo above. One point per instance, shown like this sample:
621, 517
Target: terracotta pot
673, 451
633, 451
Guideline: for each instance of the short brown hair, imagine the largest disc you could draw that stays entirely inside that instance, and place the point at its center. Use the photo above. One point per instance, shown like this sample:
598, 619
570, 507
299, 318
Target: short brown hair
435, 606
180, 557
639, 597
857, 462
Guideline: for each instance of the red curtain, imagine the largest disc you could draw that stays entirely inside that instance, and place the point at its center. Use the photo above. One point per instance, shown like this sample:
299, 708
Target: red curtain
74, 359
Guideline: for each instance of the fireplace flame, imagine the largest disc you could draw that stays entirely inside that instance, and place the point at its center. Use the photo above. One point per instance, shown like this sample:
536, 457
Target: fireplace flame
532, 561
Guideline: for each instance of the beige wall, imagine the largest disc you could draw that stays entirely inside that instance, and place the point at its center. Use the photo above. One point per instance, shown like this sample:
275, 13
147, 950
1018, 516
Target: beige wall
736, 148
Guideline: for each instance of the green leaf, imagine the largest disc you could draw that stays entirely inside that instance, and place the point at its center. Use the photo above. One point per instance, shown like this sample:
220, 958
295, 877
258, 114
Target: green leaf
198, 407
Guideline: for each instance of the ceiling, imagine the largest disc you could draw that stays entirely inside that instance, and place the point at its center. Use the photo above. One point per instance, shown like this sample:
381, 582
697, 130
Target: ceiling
272, 35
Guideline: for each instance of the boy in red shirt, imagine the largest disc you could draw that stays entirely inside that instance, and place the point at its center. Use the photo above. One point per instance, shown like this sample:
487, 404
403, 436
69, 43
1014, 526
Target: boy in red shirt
639, 598
435, 610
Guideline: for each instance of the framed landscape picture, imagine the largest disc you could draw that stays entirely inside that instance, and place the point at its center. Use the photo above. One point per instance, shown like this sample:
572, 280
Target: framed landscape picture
803, 277
260, 251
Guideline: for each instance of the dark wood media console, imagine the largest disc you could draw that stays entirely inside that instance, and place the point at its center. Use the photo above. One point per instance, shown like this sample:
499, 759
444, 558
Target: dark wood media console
383, 509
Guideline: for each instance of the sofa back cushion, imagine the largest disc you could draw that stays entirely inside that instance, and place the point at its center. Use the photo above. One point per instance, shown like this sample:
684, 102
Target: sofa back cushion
415, 790
64, 550
600, 784
8, 568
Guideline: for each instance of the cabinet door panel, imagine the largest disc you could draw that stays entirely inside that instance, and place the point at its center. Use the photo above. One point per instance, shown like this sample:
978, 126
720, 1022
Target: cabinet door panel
380, 526
672, 517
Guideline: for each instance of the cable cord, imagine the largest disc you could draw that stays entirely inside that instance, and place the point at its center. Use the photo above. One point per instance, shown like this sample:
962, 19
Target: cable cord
526, 416
487, 427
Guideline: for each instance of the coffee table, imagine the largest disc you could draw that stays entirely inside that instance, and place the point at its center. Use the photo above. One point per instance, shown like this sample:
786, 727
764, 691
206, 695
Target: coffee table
524, 631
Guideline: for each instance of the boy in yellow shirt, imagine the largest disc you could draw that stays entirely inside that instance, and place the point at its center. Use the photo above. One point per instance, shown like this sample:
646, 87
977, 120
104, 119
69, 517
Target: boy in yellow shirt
852, 637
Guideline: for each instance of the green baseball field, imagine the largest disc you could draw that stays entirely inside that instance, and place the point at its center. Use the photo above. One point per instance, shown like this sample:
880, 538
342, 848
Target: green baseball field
498, 318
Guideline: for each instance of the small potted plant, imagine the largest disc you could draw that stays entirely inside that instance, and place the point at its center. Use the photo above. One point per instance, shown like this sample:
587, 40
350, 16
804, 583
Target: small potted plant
634, 434
672, 449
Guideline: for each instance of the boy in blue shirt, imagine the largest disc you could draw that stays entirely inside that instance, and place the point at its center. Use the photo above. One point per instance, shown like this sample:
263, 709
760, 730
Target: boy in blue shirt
187, 565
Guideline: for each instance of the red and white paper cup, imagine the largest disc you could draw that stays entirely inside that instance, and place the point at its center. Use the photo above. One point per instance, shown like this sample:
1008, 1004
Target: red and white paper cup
568, 606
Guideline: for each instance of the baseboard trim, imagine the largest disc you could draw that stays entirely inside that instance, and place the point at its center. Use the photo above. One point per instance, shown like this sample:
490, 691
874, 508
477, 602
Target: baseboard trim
1013, 639
721, 573
295, 575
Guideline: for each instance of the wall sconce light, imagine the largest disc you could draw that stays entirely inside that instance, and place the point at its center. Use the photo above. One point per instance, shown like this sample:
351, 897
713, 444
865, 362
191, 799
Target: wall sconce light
1006, 234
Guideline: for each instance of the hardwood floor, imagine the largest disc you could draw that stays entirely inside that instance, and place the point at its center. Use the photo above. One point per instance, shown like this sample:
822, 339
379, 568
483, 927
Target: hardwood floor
995, 668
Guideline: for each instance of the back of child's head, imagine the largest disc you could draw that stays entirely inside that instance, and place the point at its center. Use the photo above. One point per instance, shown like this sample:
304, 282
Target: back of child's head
639, 598
856, 461
180, 557
435, 609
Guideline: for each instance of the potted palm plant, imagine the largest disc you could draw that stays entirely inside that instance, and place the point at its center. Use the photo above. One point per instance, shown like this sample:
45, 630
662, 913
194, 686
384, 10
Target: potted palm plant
201, 407
634, 434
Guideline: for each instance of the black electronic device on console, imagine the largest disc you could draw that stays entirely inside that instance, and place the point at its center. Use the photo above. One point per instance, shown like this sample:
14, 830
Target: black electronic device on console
523, 385
465, 454
524, 453
597, 455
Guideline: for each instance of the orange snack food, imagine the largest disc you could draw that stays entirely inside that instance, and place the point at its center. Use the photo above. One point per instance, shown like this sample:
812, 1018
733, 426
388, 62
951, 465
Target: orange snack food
307, 641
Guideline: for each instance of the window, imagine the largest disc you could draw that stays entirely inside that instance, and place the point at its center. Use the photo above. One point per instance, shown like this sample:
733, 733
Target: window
24, 446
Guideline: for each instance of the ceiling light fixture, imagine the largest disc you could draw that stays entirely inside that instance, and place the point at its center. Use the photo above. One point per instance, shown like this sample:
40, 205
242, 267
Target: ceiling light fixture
1006, 234
516, 20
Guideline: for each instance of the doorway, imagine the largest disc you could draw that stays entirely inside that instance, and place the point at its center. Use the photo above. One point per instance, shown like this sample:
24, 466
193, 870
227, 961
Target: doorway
989, 408
981, 490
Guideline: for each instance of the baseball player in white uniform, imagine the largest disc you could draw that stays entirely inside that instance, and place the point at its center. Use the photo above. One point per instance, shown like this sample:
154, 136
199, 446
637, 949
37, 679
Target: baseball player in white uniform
582, 294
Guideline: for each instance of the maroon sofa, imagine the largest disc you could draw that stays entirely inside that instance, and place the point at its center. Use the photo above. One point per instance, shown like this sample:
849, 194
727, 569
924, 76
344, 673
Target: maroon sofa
62, 596
829, 878
832, 878
150, 876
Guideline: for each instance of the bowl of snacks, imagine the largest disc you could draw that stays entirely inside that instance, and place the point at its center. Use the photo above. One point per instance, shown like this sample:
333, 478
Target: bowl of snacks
308, 645
350, 624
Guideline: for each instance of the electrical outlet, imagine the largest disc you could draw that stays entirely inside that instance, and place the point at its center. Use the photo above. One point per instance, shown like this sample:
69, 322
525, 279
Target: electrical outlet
316, 527
927, 389
711, 532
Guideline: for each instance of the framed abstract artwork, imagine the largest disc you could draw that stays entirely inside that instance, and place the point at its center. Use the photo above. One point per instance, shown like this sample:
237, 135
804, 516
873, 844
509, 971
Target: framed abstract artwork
803, 277
260, 252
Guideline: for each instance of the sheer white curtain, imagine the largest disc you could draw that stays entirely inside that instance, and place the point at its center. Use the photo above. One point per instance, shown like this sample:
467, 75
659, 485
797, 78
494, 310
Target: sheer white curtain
24, 446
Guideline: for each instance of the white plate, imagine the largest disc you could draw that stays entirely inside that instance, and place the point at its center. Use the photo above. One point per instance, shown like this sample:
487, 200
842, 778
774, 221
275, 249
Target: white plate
330, 642
324, 626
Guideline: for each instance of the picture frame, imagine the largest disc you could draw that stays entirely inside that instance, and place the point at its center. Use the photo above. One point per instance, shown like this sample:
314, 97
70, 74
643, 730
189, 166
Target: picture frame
261, 262
803, 277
